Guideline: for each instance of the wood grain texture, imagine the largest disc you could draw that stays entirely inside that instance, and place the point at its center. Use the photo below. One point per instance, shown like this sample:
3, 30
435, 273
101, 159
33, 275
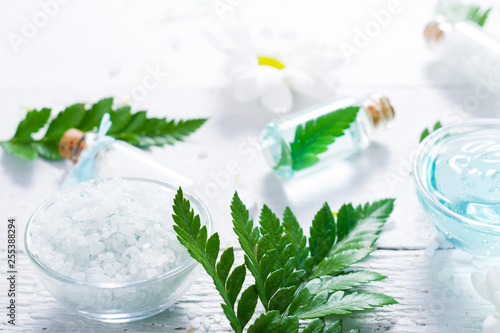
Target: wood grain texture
428, 301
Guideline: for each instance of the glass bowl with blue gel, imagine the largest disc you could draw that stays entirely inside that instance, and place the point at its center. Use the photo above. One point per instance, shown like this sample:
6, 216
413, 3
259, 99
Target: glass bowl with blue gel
457, 177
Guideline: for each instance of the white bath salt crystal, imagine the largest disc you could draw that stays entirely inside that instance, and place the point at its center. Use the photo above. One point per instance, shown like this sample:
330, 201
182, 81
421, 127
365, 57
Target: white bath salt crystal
108, 256
155, 262
216, 319
431, 247
92, 237
206, 323
57, 265
151, 273
64, 222
59, 257
109, 270
133, 269
191, 314
96, 248
127, 229
131, 239
169, 256
79, 276
79, 216
70, 260
196, 323
95, 270
139, 225
125, 253
445, 274
464, 258
111, 230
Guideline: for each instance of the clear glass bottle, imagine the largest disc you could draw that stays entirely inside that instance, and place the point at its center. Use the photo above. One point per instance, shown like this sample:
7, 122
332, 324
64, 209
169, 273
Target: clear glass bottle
117, 158
466, 47
278, 137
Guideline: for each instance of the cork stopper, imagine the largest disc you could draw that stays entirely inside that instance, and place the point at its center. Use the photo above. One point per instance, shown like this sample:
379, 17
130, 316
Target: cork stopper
435, 30
71, 144
380, 109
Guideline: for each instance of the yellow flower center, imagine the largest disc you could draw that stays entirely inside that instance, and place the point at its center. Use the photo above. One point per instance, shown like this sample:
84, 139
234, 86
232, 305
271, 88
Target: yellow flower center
266, 61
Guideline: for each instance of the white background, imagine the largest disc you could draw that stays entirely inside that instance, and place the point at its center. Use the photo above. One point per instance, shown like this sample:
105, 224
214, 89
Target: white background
94, 49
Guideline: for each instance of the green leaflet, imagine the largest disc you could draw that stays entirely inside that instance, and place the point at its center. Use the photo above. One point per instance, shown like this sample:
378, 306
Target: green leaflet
334, 264
340, 303
342, 281
336, 327
20, 145
21, 150
248, 237
135, 129
295, 280
323, 234
281, 299
68, 118
194, 238
297, 239
369, 220
33, 122
272, 322
476, 15
456, 11
426, 132
316, 326
316, 135
247, 304
92, 117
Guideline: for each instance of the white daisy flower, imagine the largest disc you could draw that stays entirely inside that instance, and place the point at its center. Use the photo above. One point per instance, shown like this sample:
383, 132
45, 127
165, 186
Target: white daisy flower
270, 66
488, 287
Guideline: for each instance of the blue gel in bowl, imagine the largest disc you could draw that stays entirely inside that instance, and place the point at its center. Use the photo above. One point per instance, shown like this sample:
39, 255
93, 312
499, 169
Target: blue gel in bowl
457, 176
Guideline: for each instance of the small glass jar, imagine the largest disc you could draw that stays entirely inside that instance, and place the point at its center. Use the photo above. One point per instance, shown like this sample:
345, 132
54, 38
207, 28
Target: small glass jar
117, 158
464, 46
278, 137
116, 302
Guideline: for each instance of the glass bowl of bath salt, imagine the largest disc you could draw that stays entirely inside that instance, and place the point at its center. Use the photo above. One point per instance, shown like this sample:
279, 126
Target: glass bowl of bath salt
106, 248
457, 177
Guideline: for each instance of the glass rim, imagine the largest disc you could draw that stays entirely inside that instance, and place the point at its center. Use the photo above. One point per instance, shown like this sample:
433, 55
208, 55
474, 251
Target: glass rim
424, 147
183, 266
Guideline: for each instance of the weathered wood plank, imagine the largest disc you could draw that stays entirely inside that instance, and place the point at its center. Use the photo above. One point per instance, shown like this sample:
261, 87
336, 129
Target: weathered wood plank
428, 302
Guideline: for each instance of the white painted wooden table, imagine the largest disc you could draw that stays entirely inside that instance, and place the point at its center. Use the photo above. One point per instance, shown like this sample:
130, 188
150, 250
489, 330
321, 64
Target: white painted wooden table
93, 49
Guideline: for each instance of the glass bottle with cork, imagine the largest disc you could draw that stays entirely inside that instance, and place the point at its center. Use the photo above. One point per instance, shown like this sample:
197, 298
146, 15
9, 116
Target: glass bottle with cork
305, 141
465, 47
96, 155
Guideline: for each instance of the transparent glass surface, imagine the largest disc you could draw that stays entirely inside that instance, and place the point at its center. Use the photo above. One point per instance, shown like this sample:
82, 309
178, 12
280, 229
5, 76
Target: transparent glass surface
277, 137
119, 302
467, 48
457, 176
124, 160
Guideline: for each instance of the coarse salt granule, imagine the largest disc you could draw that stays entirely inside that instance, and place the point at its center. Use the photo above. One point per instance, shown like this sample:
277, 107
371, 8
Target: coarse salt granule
112, 230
